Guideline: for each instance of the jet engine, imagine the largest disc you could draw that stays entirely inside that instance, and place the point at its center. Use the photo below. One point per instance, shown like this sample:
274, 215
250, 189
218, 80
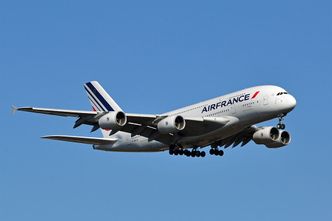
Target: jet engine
271, 137
171, 124
283, 140
113, 120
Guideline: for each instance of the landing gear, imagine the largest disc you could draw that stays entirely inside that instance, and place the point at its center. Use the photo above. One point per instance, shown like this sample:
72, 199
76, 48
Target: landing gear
180, 151
196, 153
281, 125
172, 150
187, 153
216, 152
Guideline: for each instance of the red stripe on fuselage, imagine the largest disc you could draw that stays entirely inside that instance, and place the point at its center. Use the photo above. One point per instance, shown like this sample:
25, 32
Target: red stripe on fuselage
255, 95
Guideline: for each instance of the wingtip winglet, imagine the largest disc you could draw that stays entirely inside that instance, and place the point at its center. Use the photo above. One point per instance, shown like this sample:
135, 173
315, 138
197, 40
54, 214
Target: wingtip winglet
14, 109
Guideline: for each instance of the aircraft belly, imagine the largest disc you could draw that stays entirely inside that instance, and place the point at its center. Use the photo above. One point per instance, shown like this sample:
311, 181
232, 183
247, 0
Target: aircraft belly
143, 145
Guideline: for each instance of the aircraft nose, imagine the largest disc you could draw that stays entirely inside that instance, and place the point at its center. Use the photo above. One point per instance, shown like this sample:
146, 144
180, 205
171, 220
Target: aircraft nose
292, 101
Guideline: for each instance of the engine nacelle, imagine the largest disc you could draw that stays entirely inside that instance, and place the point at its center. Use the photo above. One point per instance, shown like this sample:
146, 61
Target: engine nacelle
283, 140
171, 124
266, 135
271, 137
113, 120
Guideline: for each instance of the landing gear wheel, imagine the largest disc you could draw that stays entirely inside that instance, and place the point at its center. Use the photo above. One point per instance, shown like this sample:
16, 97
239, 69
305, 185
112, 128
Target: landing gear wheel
171, 149
281, 125
216, 152
203, 154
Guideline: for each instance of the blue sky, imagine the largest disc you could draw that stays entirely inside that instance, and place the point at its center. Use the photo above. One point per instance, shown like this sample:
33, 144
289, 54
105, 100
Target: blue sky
153, 57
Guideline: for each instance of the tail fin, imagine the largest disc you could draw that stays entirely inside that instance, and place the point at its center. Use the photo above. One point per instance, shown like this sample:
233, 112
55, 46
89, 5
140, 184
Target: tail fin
99, 98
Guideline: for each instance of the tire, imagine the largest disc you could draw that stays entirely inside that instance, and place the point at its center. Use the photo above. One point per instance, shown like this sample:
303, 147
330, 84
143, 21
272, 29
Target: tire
203, 154
221, 153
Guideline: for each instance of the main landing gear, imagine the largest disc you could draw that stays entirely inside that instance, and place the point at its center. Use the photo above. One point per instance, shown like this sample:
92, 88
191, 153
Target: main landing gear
185, 152
281, 124
179, 151
216, 152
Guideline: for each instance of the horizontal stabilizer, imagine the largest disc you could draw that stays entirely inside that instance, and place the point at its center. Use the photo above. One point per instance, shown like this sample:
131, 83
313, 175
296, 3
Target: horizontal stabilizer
84, 140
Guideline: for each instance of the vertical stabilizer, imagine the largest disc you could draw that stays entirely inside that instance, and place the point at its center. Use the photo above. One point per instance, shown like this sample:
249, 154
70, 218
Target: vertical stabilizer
99, 98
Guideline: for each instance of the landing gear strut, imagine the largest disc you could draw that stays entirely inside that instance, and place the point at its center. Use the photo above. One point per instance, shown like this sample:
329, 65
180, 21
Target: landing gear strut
281, 125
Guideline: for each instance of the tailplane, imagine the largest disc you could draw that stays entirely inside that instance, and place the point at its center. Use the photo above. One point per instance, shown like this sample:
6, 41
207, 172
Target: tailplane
83, 140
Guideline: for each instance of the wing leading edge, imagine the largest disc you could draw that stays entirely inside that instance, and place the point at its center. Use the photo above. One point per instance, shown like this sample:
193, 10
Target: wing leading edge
57, 112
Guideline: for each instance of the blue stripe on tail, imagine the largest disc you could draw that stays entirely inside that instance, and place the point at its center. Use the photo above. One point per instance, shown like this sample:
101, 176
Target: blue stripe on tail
99, 97
95, 101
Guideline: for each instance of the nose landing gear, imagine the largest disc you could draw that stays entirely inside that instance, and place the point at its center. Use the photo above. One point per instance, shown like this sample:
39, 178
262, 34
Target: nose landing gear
281, 124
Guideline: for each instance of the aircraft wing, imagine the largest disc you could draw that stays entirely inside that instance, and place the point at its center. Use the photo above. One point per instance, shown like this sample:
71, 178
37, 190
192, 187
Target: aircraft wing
84, 117
146, 126
243, 138
144, 119
138, 124
84, 140
57, 112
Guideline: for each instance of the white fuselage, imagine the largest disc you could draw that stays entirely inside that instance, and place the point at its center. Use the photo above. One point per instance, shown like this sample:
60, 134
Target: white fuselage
243, 109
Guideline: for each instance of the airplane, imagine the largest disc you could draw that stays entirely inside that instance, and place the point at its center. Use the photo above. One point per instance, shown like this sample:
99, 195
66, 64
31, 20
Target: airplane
219, 122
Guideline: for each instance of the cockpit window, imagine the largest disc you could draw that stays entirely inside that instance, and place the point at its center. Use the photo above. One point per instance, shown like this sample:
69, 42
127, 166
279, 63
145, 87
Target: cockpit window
281, 93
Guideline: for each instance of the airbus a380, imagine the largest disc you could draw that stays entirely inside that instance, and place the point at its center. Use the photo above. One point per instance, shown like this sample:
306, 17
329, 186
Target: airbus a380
220, 122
